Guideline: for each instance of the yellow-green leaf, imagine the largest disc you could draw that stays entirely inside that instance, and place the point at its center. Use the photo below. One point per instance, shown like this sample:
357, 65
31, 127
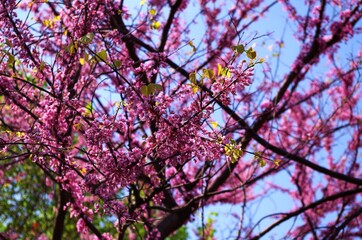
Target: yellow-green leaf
257, 155
11, 59
56, 18
151, 89
86, 56
228, 149
233, 151
42, 66
117, 63
239, 49
225, 72
262, 162
192, 45
145, 90
195, 88
88, 109
277, 162
219, 69
155, 25
87, 39
101, 56
48, 23
7, 41
72, 48
152, 12
251, 53
78, 126
214, 124
155, 88
192, 77
117, 104
208, 73
237, 152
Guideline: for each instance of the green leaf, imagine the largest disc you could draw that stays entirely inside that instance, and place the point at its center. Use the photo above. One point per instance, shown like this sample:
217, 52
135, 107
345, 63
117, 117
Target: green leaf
30, 78
192, 77
262, 162
239, 49
154, 87
155, 25
145, 90
214, 125
87, 39
233, 150
237, 153
225, 72
101, 56
11, 59
180, 234
88, 109
194, 88
251, 53
117, 63
214, 214
151, 89
277, 162
7, 41
219, 69
192, 45
86, 56
228, 149
42, 66
152, 11
258, 157
208, 73
72, 48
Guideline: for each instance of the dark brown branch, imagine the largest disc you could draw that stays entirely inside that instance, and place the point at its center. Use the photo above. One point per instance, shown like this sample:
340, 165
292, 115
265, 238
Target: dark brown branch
168, 24
352, 216
62, 212
92, 227
310, 206
305, 162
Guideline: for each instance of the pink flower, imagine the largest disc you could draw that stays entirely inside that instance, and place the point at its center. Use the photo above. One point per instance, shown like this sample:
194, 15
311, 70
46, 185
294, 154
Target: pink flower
81, 226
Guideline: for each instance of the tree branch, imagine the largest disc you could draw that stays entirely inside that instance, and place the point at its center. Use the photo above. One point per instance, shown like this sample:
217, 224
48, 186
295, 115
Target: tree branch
310, 206
59, 221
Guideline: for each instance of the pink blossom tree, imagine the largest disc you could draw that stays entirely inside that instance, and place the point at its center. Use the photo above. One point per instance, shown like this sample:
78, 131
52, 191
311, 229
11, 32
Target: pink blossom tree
122, 122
